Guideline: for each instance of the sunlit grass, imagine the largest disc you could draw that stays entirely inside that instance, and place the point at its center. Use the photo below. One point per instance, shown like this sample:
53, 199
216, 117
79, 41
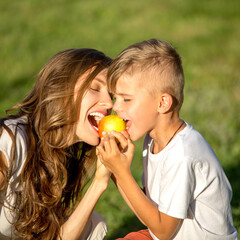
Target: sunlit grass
206, 33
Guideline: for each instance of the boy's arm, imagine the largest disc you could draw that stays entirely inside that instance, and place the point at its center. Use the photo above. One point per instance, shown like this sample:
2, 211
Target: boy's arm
125, 197
118, 162
161, 225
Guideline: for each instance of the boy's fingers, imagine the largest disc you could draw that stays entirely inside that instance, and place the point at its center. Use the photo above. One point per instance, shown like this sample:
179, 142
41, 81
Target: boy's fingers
106, 143
113, 142
130, 148
100, 158
126, 134
99, 151
100, 144
121, 138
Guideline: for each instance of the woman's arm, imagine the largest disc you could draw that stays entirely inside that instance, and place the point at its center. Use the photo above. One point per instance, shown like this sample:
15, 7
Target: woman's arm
74, 226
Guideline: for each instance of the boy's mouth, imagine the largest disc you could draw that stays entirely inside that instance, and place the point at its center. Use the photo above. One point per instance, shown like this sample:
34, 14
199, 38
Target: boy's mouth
94, 119
127, 122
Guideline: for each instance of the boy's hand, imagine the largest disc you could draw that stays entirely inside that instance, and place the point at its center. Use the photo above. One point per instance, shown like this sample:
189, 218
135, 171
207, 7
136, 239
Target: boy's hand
116, 152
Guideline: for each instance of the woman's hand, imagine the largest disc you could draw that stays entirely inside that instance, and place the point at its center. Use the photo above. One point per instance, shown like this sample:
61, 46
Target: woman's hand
102, 173
116, 152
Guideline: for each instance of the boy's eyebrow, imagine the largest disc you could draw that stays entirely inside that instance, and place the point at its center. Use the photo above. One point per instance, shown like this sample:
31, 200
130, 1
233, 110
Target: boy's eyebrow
123, 94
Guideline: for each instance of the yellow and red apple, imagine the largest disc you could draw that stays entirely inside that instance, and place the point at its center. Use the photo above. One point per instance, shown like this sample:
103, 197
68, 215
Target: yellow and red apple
111, 123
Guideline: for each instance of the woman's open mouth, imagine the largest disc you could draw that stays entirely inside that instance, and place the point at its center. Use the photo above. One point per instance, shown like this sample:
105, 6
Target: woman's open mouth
94, 119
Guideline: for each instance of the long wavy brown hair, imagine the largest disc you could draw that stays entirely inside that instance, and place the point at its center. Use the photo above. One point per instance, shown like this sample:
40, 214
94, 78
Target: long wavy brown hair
56, 169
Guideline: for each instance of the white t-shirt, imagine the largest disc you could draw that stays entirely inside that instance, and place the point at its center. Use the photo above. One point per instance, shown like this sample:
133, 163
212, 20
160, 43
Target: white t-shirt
96, 227
185, 180
7, 216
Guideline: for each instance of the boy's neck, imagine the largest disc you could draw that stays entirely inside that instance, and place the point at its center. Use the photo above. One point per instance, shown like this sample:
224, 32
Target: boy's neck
165, 132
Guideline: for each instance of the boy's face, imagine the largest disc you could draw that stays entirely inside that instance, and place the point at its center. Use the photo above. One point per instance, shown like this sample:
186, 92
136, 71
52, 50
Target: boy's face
135, 105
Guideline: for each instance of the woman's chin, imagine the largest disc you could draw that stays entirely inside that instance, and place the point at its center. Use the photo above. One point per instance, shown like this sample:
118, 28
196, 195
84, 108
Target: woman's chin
93, 141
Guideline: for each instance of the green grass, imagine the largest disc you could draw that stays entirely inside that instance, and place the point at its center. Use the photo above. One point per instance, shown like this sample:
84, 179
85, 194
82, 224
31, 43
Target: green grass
206, 34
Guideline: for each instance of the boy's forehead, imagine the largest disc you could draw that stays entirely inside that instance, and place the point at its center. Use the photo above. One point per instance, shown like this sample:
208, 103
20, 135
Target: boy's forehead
127, 83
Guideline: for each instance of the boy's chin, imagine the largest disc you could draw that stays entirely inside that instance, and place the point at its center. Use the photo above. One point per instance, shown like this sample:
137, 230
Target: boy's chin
134, 138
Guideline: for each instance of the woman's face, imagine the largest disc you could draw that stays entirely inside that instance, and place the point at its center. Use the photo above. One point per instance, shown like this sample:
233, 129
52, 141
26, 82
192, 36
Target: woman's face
96, 103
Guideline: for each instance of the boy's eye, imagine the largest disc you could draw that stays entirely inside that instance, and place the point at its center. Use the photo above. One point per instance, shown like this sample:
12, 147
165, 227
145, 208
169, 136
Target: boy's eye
126, 99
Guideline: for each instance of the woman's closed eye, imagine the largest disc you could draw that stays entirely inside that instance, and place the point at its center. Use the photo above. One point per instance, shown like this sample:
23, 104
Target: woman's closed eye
95, 89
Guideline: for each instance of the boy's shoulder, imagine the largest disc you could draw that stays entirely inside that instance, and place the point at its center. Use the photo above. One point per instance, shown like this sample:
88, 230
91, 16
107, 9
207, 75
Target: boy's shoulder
190, 135
192, 147
187, 142
185, 134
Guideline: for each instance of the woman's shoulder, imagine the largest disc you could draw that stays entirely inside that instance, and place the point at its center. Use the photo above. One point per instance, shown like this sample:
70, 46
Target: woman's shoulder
15, 125
13, 122
13, 132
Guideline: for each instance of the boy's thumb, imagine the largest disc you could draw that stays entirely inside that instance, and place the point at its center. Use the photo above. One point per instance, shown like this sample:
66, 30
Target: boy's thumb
130, 147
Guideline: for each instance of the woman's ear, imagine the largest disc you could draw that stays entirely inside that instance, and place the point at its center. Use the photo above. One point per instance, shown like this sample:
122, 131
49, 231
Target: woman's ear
165, 103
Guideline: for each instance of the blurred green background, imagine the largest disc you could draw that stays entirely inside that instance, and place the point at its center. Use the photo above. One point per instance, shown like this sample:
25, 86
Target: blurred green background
206, 33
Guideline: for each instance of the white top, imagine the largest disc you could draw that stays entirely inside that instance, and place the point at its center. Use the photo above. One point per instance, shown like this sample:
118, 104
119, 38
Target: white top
7, 216
185, 180
96, 227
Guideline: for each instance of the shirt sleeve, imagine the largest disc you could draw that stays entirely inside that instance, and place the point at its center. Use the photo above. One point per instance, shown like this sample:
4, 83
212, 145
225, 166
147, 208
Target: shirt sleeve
146, 143
6, 143
176, 187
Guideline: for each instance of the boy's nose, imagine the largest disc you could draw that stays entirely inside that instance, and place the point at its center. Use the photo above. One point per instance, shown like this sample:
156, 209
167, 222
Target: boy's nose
116, 107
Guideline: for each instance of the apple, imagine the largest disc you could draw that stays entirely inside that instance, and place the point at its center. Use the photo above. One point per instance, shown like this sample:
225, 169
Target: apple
111, 123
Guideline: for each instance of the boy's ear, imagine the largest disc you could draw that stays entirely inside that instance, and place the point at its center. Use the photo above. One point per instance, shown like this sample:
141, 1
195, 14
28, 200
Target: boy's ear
165, 103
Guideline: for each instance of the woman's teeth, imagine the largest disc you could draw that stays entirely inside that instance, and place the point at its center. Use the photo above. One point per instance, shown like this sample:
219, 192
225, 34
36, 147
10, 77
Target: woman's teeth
97, 115
95, 118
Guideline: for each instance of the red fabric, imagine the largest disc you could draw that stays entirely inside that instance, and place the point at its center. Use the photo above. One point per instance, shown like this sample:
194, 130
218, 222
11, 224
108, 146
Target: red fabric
140, 235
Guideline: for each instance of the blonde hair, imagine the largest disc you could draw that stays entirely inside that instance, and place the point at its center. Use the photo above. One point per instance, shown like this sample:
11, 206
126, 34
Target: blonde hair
158, 63
56, 169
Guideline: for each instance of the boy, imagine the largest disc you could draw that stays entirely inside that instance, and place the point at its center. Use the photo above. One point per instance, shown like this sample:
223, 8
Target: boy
186, 193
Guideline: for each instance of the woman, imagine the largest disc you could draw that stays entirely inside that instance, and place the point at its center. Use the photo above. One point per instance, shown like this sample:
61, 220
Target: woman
47, 152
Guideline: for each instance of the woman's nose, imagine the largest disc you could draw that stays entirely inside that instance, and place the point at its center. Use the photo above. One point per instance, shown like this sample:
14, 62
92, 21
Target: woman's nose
107, 101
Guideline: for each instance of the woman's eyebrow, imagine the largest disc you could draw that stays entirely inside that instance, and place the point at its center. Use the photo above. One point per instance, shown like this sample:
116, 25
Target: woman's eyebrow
100, 80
